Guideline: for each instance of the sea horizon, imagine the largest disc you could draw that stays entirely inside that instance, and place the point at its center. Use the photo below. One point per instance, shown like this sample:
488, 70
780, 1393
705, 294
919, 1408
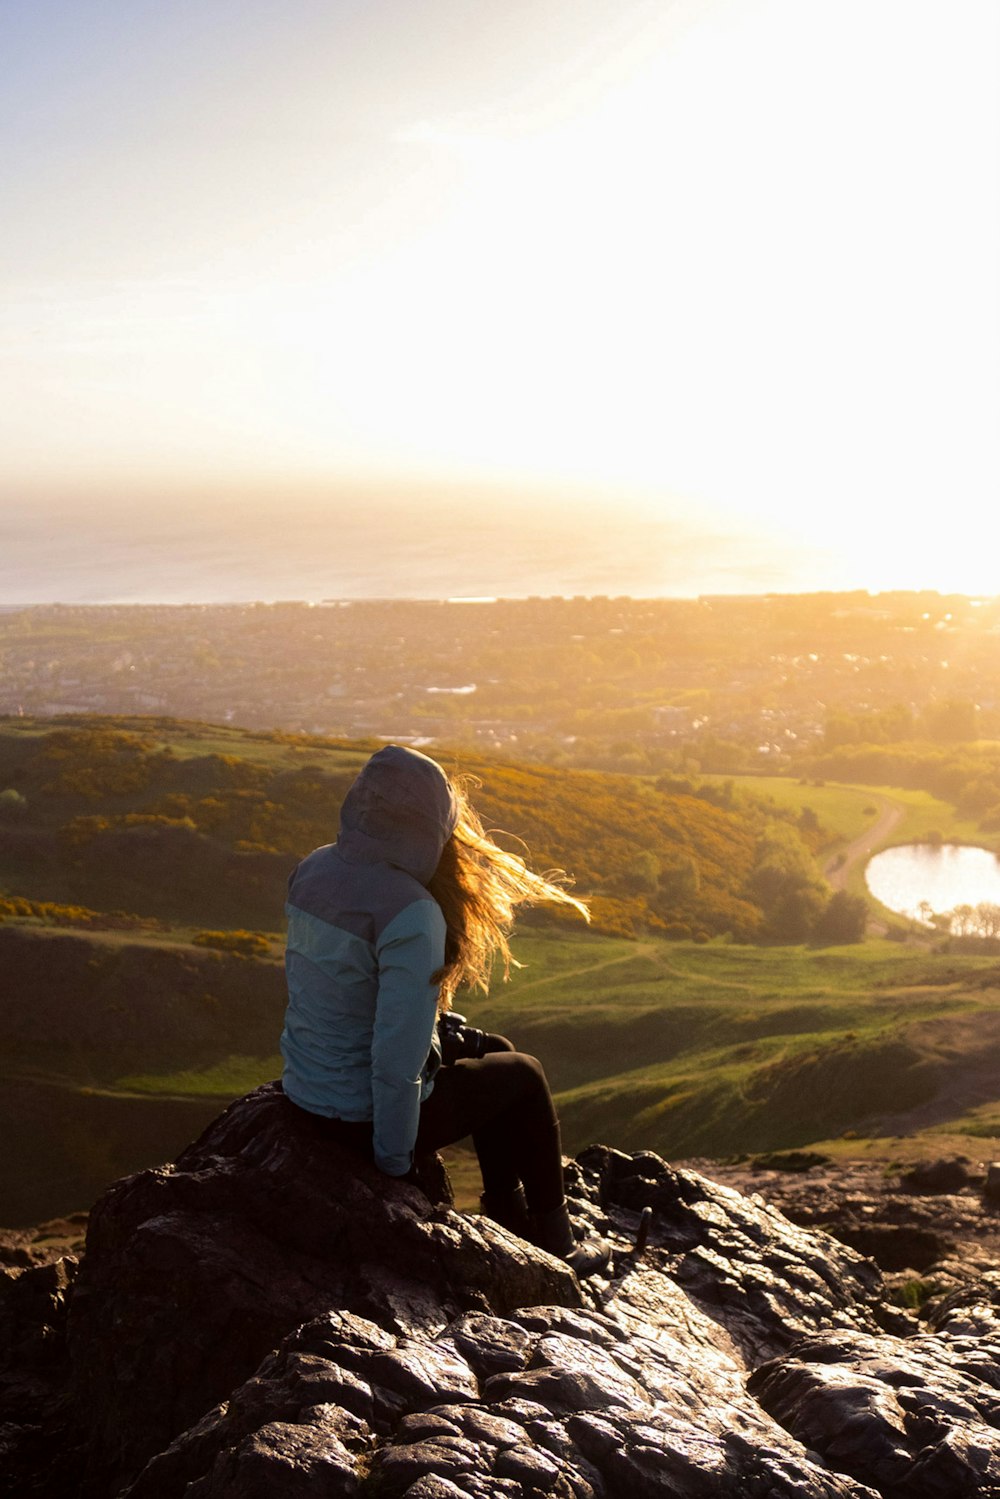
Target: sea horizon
258, 556
154, 557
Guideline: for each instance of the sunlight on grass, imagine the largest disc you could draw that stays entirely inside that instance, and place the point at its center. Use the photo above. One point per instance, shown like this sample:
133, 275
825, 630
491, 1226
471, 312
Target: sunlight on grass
840, 809
228, 1078
714, 1048
690, 1049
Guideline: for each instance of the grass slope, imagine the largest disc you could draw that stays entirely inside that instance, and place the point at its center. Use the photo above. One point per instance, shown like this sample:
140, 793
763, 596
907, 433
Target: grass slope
197, 824
845, 811
685, 1048
721, 1049
689, 1048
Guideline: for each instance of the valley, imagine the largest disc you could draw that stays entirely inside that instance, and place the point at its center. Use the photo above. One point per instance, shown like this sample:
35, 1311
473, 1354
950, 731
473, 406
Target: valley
142, 881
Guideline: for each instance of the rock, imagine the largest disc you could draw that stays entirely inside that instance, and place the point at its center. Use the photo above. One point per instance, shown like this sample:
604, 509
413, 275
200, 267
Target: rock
917, 1419
32, 1378
991, 1190
969, 1309
269, 1317
746, 1268
789, 1160
33, 1312
258, 1228
902, 1246
864, 1206
23, 1247
550, 1434
947, 1175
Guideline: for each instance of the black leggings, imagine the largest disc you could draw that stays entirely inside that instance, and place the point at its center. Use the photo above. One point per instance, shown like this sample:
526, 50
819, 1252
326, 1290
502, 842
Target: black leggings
503, 1101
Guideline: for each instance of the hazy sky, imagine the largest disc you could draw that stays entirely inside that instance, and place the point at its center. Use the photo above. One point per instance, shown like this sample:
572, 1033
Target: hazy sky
729, 264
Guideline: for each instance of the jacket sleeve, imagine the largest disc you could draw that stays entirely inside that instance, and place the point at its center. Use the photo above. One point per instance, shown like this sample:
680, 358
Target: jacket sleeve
409, 950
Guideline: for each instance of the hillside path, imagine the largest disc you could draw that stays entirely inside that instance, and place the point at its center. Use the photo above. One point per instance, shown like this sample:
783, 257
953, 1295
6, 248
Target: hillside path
840, 865
572, 973
654, 955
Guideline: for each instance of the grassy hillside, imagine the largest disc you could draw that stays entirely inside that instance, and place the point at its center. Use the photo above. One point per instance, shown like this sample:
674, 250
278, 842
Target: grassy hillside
720, 1049
684, 1048
140, 859
83, 1010
845, 812
199, 825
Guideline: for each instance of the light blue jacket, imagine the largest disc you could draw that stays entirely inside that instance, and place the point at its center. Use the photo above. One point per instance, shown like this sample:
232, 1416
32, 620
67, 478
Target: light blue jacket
365, 937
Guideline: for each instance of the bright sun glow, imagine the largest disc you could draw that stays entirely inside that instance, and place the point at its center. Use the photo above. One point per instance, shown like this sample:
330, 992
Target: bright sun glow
743, 266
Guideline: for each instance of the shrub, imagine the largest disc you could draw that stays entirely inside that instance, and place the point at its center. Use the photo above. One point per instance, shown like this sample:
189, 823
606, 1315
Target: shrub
50, 913
912, 1294
843, 919
12, 804
244, 944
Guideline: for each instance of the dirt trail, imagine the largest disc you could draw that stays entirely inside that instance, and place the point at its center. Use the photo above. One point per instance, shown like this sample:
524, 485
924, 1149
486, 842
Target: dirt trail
572, 973
840, 866
659, 962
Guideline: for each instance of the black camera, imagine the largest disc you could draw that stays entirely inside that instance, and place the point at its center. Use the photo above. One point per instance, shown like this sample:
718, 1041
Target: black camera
458, 1039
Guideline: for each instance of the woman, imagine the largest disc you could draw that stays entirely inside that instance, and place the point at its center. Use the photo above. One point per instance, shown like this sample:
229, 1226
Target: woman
383, 926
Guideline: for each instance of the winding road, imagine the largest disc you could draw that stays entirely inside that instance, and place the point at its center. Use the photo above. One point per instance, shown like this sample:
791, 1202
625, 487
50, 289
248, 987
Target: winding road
839, 867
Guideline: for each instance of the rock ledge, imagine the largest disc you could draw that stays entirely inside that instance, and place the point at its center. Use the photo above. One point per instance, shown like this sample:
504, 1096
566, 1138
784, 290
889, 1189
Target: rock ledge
268, 1317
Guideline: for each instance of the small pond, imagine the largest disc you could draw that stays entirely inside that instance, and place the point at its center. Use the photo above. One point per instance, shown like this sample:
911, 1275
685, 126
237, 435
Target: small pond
945, 876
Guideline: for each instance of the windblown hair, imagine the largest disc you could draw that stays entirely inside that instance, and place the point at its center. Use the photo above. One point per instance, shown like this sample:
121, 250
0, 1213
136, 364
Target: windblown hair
479, 886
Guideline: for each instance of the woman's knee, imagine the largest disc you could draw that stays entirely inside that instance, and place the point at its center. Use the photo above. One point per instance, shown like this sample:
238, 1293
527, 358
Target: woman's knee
529, 1075
508, 1079
493, 1043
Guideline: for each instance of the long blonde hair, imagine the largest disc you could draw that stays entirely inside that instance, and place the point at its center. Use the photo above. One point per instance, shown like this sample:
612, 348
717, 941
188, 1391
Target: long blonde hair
479, 886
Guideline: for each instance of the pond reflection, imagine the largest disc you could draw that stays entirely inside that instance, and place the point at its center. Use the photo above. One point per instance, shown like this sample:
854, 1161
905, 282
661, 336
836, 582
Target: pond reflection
917, 879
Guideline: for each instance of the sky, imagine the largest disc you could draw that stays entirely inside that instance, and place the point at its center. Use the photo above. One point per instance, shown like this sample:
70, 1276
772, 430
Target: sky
715, 278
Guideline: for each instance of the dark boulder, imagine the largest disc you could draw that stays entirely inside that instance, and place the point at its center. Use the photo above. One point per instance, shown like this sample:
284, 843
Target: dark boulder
270, 1319
39, 1452
917, 1419
193, 1272
904, 1221
991, 1187
946, 1175
590, 1412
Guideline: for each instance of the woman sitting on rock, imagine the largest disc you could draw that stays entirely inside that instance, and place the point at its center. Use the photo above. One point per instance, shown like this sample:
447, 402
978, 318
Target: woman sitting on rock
412, 901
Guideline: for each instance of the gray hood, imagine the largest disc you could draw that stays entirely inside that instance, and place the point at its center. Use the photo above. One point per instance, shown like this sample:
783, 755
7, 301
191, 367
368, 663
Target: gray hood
401, 810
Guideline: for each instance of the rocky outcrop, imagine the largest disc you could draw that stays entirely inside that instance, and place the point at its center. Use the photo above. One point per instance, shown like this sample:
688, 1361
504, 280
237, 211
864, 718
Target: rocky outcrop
267, 1317
256, 1229
932, 1219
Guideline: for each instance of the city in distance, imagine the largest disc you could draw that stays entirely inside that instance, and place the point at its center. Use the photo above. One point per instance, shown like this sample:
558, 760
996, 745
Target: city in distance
719, 683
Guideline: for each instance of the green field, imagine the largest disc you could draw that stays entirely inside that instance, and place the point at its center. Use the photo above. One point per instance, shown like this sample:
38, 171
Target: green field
840, 809
189, 739
707, 1050
712, 1049
848, 811
719, 1049
119, 1041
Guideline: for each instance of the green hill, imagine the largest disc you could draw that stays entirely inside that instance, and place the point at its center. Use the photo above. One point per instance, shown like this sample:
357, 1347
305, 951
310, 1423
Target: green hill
717, 1050
120, 1048
200, 825
142, 873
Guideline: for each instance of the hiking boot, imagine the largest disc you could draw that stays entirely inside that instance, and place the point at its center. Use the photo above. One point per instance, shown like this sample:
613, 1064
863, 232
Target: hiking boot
553, 1231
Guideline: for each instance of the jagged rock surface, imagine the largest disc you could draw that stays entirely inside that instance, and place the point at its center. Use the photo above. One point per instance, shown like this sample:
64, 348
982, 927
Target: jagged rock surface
935, 1220
257, 1228
269, 1318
